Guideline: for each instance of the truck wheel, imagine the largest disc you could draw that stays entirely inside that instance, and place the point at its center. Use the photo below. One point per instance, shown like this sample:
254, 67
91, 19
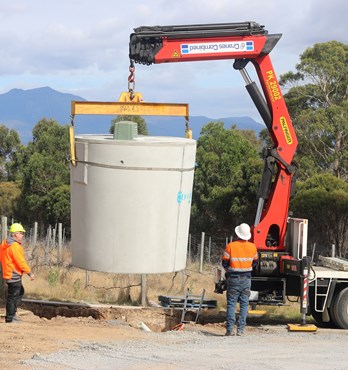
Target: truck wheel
339, 309
332, 314
332, 309
317, 316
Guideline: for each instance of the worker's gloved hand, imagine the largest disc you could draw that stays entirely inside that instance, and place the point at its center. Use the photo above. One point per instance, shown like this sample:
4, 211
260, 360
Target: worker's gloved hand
220, 286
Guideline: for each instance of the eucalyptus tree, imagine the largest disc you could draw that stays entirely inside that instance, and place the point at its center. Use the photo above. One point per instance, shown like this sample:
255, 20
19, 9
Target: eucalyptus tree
318, 105
228, 169
323, 199
45, 168
10, 144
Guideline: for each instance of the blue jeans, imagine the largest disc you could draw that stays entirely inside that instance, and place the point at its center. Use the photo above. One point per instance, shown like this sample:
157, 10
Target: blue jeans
238, 289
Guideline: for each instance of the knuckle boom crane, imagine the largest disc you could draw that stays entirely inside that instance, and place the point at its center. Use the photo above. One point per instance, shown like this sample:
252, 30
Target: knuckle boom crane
244, 42
281, 241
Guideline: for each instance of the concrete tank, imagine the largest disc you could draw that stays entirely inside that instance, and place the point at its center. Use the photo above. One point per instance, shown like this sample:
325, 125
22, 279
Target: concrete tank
130, 203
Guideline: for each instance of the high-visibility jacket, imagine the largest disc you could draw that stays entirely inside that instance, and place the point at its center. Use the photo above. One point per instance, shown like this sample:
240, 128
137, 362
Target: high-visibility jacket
240, 254
12, 260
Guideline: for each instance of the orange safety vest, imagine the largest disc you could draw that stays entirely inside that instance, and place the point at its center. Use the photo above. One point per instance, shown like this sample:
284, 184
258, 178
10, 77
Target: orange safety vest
12, 260
241, 255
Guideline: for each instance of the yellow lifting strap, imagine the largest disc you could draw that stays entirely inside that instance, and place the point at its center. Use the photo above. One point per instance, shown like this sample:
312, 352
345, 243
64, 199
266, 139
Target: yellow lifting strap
126, 106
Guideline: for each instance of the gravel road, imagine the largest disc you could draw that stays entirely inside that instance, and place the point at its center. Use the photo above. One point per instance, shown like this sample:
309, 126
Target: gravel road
204, 347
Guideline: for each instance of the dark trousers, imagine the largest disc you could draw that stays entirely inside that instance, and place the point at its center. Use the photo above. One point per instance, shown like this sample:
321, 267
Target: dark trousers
15, 292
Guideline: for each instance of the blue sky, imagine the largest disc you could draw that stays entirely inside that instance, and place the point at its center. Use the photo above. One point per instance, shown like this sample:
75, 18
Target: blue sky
81, 47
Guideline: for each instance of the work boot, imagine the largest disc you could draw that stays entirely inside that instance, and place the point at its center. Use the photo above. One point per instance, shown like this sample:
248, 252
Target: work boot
240, 333
16, 318
229, 333
13, 322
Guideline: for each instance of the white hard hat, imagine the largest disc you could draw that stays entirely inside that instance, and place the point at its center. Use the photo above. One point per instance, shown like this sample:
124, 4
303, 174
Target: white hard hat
243, 231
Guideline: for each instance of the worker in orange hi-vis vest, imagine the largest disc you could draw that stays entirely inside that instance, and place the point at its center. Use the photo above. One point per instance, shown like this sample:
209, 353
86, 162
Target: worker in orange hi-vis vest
14, 266
239, 259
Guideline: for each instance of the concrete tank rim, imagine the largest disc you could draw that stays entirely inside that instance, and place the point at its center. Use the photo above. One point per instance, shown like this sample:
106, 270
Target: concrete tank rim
139, 140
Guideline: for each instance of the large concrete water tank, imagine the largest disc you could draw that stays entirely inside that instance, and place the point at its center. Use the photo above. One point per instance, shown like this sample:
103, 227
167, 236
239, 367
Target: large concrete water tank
130, 203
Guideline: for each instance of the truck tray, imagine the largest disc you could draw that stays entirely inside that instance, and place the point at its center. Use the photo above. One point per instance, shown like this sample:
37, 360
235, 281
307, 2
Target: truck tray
336, 263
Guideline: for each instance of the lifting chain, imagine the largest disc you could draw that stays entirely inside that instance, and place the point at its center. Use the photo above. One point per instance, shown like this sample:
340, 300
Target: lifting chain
131, 79
132, 95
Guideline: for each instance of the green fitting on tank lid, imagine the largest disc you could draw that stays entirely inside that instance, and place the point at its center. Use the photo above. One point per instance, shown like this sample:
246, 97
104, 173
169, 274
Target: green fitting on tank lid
125, 130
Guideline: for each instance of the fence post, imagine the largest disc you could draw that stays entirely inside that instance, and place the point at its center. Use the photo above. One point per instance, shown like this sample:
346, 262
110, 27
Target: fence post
59, 242
63, 238
143, 290
48, 240
54, 234
189, 248
209, 250
86, 279
313, 252
35, 234
182, 280
3, 227
201, 253
333, 252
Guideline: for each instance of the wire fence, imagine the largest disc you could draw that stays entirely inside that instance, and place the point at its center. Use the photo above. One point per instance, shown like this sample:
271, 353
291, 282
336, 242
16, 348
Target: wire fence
49, 251
50, 246
206, 248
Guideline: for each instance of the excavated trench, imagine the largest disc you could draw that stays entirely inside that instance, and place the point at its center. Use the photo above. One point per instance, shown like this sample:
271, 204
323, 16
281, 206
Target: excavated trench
157, 319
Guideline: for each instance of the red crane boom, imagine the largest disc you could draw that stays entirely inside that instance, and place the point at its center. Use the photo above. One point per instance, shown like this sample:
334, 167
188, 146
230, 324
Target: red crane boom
244, 42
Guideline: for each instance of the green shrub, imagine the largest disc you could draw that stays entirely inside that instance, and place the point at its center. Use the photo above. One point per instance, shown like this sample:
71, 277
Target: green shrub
53, 275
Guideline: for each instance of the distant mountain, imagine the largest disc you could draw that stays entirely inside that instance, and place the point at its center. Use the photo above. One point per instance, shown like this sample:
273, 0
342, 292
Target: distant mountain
22, 109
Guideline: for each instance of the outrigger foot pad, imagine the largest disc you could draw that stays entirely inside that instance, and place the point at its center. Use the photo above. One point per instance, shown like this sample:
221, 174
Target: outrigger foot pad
302, 327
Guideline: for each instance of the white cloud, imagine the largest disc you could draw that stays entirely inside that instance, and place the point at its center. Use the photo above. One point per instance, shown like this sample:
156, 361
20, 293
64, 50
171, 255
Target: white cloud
82, 48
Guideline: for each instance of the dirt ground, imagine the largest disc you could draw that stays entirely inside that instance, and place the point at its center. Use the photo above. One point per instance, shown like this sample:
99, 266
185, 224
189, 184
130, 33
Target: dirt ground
116, 342
35, 336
